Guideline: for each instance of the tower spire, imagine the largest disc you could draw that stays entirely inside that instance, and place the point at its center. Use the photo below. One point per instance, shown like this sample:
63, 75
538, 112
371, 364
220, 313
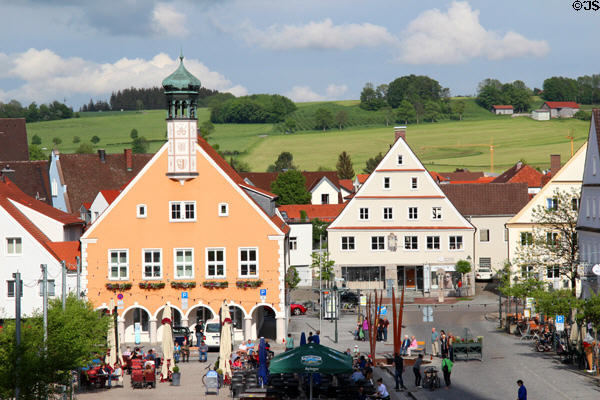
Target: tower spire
181, 53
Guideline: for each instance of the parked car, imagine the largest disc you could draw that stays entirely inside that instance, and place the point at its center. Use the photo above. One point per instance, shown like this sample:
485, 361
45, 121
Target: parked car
297, 309
180, 333
484, 274
212, 333
349, 297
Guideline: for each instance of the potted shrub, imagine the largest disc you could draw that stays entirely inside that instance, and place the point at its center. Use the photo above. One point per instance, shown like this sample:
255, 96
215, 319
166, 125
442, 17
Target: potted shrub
175, 376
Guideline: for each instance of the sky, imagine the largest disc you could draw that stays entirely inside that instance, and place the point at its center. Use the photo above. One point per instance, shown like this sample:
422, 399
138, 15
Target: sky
308, 50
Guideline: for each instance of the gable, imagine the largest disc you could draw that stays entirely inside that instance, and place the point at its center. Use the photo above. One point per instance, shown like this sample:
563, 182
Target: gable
592, 162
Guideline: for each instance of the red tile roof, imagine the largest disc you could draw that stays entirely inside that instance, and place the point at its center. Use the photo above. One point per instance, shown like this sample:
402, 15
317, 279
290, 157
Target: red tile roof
67, 252
362, 178
521, 173
562, 104
31, 177
13, 140
347, 184
263, 180
483, 179
437, 177
462, 175
503, 107
87, 205
487, 199
110, 195
324, 212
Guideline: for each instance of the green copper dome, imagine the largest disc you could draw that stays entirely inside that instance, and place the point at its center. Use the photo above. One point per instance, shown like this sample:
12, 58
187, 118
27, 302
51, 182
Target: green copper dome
181, 80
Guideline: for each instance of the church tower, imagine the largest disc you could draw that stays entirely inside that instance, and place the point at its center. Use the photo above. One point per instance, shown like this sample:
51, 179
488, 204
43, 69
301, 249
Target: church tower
181, 89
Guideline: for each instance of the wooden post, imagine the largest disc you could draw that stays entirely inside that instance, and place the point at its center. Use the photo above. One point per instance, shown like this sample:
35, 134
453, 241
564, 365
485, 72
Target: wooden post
397, 342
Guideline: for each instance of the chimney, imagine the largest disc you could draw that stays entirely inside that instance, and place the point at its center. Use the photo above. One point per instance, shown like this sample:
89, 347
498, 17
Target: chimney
128, 159
7, 172
554, 163
399, 132
102, 155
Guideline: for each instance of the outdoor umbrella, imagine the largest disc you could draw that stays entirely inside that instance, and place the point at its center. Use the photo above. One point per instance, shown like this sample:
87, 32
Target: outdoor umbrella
311, 358
115, 350
263, 372
302, 339
225, 347
167, 345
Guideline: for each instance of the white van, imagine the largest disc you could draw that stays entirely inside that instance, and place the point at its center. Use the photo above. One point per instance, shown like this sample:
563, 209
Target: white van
212, 333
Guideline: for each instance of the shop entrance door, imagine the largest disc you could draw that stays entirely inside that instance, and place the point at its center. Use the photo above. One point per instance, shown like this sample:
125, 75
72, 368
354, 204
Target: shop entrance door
410, 278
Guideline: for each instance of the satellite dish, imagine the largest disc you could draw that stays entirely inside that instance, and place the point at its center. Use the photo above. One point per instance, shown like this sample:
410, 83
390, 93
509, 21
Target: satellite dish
596, 269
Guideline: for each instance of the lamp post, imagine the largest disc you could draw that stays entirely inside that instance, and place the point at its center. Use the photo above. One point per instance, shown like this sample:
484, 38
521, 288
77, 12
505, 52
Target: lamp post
337, 310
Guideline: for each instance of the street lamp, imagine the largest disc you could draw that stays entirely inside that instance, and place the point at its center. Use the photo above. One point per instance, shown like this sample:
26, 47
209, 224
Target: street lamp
336, 310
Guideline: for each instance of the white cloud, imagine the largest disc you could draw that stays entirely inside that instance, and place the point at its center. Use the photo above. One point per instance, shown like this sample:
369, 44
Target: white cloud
47, 76
167, 20
456, 36
318, 35
305, 93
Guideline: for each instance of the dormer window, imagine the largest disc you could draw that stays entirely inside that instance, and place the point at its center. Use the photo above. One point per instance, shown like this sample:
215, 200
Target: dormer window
141, 211
223, 209
400, 159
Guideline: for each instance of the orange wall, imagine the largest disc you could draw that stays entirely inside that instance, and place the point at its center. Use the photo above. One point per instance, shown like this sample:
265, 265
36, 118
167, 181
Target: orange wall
121, 229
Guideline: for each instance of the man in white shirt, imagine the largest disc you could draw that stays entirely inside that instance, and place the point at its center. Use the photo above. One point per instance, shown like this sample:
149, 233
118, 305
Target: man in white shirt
382, 392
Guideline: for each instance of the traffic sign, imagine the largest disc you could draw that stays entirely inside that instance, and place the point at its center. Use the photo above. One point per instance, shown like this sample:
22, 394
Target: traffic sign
120, 296
263, 294
184, 295
560, 323
382, 310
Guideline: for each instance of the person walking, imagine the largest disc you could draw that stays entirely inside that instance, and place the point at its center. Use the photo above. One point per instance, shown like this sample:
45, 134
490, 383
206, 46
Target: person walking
434, 342
289, 342
444, 344
522, 392
399, 369
451, 346
386, 323
365, 328
447, 370
199, 330
417, 370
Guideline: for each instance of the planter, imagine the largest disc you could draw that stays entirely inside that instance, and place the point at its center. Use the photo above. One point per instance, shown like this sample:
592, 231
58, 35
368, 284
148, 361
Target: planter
151, 285
175, 378
249, 284
118, 286
467, 350
215, 284
183, 285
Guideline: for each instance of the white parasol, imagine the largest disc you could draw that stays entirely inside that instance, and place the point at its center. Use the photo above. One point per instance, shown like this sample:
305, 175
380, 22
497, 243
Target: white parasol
114, 354
167, 345
225, 341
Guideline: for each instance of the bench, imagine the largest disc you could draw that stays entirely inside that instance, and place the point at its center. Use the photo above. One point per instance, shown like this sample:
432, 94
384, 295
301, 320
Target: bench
420, 348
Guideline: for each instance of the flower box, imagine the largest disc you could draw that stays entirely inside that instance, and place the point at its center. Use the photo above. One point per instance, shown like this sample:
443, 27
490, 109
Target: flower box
215, 284
118, 286
183, 285
249, 284
151, 285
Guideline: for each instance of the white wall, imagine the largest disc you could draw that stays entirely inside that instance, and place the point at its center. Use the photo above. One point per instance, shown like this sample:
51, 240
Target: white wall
496, 248
324, 187
301, 257
98, 206
50, 227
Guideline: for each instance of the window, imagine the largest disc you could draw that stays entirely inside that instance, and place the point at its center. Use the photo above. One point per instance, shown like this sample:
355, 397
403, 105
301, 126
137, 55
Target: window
552, 203
411, 243
141, 211
152, 264
215, 263
414, 183
436, 212
184, 263
456, 243
551, 238
364, 213
527, 271
183, 211
433, 242
553, 272
54, 188
248, 262
484, 235
14, 246
223, 209
363, 274
575, 203
485, 262
10, 286
50, 288
386, 182
400, 160
348, 243
293, 243
119, 264
413, 213
378, 243
387, 213
506, 234
325, 198
526, 238
141, 317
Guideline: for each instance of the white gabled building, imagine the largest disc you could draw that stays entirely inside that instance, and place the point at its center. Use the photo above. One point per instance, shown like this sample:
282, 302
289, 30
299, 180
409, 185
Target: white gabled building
588, 223
400, 229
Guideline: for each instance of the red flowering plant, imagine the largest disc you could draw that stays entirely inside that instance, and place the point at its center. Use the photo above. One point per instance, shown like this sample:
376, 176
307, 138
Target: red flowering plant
151, 285
215, 284
243, 284
183, 285
118, 286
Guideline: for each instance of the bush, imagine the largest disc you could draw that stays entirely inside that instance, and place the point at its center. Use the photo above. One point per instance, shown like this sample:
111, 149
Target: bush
36, 140
583, 115
36, 153
56, 141
84, 148
258, 108
95, 139
76, 139
139, 145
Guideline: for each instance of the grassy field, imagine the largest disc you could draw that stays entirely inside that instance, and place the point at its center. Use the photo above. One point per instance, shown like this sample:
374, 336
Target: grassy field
441, 146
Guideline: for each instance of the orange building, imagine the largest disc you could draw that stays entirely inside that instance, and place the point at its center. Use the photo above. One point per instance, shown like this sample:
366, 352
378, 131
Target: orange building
188, 231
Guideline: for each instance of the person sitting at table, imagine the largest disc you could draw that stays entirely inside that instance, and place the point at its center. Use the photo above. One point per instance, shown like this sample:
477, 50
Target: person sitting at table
405, 346
250, 347
243, 347
382, 392
177, 351
185, 350
237, 364
117, 374
413, 344
362, 362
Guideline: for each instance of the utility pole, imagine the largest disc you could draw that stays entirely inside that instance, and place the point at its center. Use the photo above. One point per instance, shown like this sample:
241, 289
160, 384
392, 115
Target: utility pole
78, 277
320, 283
17, 277
64, 284
45, 300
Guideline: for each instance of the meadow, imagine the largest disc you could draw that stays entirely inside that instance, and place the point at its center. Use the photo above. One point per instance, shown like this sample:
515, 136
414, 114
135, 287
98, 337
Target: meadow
442, 146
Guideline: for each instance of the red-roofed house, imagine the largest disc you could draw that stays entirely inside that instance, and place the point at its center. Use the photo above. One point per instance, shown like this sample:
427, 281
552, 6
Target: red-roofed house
103, 199
13, 140
522, 173
503, 109
561, 109
30, 176
34, 233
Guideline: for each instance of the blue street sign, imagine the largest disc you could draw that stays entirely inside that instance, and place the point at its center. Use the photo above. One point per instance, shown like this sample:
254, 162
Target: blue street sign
560, 319
382, 310
184, 295
263, 292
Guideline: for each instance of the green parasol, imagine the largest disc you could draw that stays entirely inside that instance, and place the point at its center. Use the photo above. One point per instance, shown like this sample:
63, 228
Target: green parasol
313, 358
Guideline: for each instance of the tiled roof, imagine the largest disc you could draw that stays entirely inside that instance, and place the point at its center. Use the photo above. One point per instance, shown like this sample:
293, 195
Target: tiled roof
462, 175
110, 195
483, 179
437, 177
521, 173
362, 178
85, 175
562, 104
67, 252
503, 107
13, 140
263, 180
31, 177
87, 205
482, 199
324, 212
347, 184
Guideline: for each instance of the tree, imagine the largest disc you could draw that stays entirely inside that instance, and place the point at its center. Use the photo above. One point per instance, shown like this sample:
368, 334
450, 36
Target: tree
323, 119
206, 129
559, 88
56, 141
458, 107
95, 139
555, 302
139, 145
388, 114
284, 162
432, 110
341, 119
292, 278
76, 139
133, 134
290, 125
413, 88
36, 153
239, 165
319, 232
290, 186
372, 163
463, 267
85, 148
35, 139
372, 99
344, 166
324, 266
552, 245
406, 112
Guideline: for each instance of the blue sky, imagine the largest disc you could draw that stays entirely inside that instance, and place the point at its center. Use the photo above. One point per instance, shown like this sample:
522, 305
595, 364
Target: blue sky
308, 50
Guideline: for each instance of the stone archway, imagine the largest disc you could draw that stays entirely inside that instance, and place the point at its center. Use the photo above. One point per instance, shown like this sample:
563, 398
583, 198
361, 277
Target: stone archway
141, 316
264, 322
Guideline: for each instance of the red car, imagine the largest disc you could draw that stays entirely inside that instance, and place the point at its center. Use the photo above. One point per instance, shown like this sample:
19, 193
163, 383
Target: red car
297, 309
